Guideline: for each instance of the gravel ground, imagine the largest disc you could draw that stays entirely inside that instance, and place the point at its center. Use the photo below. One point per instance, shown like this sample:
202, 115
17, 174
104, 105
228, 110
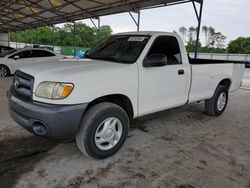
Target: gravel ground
180, 148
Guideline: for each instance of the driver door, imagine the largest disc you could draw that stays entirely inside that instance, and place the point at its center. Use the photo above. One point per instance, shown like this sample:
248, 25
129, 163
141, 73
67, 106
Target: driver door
166, 86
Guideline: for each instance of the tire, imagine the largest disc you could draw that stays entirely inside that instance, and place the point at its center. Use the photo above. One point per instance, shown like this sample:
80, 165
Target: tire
95, 120
4, 71
212, 106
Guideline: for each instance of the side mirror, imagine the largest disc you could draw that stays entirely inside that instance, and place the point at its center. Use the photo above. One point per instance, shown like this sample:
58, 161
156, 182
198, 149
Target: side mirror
16, 57
85, 53
155, 60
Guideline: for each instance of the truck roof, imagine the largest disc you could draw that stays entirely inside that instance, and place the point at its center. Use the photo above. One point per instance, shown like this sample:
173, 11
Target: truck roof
147, 33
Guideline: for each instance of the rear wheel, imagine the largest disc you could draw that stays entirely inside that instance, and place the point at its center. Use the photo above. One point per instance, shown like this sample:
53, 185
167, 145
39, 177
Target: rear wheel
217, 104
4, 71
103, 131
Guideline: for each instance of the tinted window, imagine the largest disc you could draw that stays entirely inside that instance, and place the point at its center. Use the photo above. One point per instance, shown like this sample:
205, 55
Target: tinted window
119, 48
42, 53
5, 48
23, 54
3, 54
168, 46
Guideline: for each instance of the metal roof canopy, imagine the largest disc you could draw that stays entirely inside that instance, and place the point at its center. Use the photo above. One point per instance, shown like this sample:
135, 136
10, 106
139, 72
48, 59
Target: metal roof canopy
16, 15
22, 14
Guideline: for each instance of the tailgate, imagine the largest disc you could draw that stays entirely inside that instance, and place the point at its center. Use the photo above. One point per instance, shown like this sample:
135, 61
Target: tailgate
237, 76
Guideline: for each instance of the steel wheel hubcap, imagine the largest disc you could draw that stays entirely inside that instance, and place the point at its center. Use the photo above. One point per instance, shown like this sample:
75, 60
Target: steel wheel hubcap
108, 133
221, 101
3, 72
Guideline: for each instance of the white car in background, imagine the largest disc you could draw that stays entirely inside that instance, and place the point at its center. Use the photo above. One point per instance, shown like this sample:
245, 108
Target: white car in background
14, 59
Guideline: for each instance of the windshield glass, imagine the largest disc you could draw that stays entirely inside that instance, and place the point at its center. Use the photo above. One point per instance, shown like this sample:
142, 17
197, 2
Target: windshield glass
119, 48
3, 54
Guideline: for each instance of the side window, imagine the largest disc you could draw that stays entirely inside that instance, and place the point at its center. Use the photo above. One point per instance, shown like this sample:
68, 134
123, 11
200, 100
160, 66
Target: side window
48, 54
22, 54
168, 46
42, 53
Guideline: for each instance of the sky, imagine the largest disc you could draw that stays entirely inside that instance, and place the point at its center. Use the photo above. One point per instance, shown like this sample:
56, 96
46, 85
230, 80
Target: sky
231, 17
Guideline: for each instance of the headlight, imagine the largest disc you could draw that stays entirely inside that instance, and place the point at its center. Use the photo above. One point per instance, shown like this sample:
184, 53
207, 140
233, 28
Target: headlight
54, 90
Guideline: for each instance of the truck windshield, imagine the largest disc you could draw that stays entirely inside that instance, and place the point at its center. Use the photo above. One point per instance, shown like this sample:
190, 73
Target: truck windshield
119, 48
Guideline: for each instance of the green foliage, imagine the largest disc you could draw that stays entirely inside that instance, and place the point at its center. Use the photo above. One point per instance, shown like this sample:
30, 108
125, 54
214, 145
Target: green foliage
190, 47
214, 41
241, 45
63, 36
105, 31
87, 36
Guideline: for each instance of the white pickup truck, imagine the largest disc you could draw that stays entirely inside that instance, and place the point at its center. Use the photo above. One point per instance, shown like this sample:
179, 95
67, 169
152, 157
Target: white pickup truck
125, 76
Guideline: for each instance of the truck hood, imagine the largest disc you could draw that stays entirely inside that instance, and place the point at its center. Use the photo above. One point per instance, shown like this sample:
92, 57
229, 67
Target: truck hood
91, 79
58, 70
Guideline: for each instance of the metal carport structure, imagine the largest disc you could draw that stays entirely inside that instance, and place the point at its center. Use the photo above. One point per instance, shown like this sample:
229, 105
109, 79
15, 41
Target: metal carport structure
16, 15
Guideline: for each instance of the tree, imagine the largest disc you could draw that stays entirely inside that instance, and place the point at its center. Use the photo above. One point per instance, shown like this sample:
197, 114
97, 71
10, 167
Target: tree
191, 33
241, 45
214, 41
190, 47
183, 33
205, 30
210, 41
105, 31
86, 36
219, 39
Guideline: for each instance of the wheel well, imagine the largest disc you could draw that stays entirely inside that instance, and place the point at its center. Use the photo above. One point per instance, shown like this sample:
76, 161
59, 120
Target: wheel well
226, 83
121, 100
5, 66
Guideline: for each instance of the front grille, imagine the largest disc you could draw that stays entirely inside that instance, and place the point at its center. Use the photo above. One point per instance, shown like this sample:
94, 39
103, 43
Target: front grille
23, 84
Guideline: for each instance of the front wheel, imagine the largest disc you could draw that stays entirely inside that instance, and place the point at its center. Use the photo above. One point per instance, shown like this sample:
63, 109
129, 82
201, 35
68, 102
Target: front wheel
4, 71
103, 131
217, 104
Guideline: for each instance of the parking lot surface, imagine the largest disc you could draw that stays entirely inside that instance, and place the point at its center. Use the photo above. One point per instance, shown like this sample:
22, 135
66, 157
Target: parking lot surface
181, 147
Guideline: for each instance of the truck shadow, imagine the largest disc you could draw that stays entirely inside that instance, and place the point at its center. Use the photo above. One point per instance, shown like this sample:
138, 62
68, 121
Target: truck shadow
20, 155
188, 114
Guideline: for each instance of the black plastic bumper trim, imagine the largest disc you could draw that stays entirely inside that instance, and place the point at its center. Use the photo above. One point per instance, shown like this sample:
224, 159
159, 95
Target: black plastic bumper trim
59, 120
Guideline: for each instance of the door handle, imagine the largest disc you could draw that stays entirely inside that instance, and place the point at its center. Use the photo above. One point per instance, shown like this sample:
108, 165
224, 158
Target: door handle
181, 71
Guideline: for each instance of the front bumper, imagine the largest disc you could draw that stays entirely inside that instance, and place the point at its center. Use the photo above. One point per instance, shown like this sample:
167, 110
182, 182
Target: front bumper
49, 120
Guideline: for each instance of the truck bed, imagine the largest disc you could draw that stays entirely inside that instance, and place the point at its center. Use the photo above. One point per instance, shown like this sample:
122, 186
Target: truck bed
207, 74
194, 61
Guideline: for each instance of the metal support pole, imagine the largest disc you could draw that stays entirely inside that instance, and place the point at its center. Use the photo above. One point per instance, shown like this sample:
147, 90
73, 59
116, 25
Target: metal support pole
138, 20
53, 37
16, 39
8, 38
25, 38
97, 27
37, 36
98, 30
198, 30
195, 10
137, 23
74, 39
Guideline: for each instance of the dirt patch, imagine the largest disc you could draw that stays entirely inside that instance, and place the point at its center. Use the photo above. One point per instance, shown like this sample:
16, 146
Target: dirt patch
19, 156
185, 186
